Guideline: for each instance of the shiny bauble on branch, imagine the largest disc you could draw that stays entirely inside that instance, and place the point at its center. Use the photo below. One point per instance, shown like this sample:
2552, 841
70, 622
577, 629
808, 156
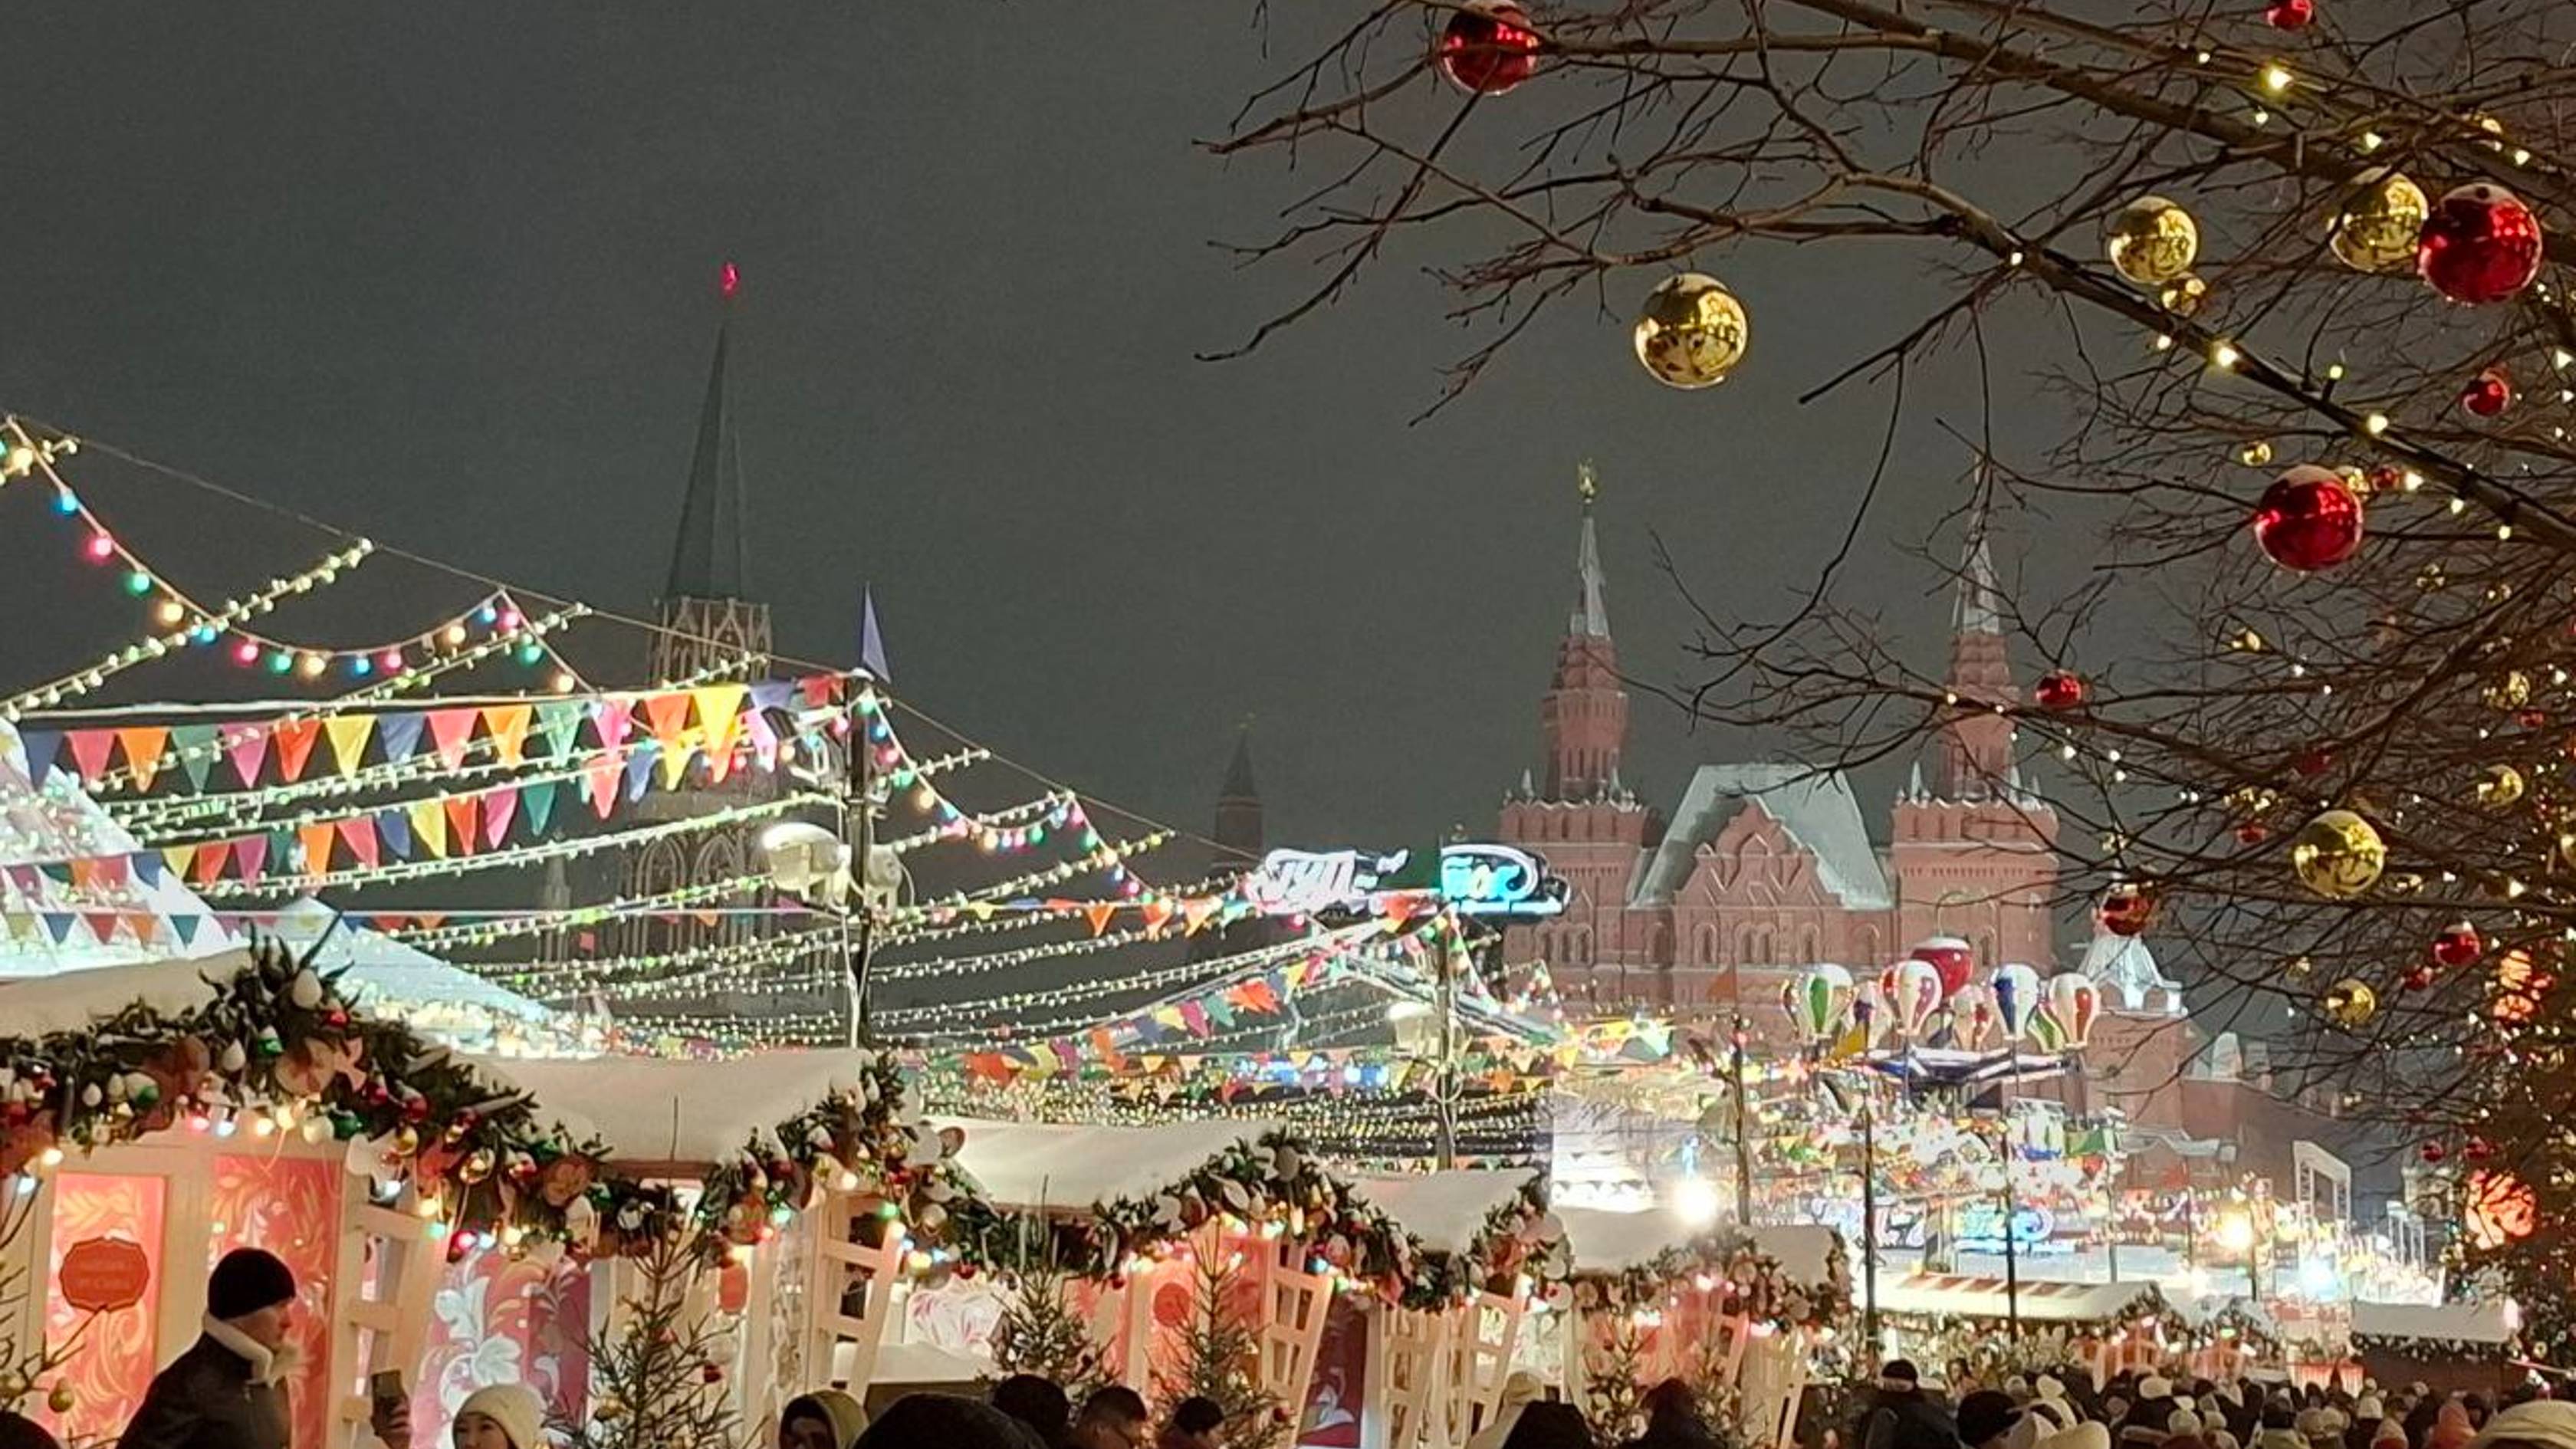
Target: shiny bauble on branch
1691, 332
2338, 855
1488, 48
2126, 908
2499, 787
2351, 1003
2481, 244
2381, 219
2489, 393
2151, 242
2458, 944
2290, 14
2059, 691
2308, 520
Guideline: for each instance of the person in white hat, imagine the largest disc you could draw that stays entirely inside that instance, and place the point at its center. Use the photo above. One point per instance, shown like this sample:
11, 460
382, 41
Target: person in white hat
501, 1416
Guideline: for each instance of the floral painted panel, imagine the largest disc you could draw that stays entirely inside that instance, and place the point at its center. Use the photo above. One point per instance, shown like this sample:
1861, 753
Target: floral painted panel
114, 1354
291, 1207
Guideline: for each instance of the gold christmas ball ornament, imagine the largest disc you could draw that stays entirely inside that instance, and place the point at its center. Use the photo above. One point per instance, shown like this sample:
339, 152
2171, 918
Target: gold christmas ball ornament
2376, 226
2351, 1004
2509, 690
2182, 298
2152, 242
2499, 786
2256, 454
1691, 332
2338, 855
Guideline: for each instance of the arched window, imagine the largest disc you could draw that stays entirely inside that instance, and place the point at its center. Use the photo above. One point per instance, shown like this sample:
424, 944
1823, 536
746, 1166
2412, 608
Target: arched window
1579, 946
1809, 951
1704, 945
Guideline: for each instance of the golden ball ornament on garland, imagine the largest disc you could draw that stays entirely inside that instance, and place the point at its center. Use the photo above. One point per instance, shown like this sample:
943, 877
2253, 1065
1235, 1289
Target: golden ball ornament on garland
2256, 454
2509, 690
2499, 787
2376, 227
2152, 242
2338, 855
2351, 1004
1691, 332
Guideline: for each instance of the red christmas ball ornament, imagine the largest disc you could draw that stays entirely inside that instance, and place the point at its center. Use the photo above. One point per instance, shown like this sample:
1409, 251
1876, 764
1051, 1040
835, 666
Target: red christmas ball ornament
2290, 14
2126, 909
2313, 762
2308, 520
2418, 978
2481, 244
2434, 1152
2253, 832
1488, 48
2479, 1150
2489, 393
2058, 691
2458, 944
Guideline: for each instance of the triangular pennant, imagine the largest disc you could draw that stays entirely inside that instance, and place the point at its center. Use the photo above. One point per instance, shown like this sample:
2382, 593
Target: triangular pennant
143, 746
42, 746
147, 868
178, 857
58, 924
359, 832
558, 725
639, 768
449, 729
185, 925
1195, 912
612, 718
295, 739
507, 724
349, 734
429, 826
89, 752
249, 751
720, 714
673, 757
764, 739
1155, 912
211, 858
1098, 915
143, 926
602, 774
666, 715
500, 807
195, 747
460, 821
400, 734
394, 829
537, 802
102, 925
250, 857
315, 839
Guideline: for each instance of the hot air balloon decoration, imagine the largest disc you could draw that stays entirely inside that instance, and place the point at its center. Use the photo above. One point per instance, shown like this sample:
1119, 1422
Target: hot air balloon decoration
1951, 957
1918, 993
2075, 1001
1972, 1016
1819, 1000
2018, 998
1869, 1018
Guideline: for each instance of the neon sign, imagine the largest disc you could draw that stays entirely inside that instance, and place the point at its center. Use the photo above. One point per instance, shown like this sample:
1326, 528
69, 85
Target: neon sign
1473, 880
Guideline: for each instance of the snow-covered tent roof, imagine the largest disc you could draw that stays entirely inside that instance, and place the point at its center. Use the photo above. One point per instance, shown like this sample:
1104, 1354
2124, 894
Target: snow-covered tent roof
1605, 1241
34, 1004
1073, 1165
1444, 1209
386, 974
1817, 809
650, 1109
2465, 1322
1949, 1295
70, 874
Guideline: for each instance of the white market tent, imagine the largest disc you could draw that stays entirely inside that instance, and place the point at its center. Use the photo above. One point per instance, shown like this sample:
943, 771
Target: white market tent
2462, 1322
1444, 1209
650, 1109
1941, 1295
1605, 1240
386, 975
1073, 1165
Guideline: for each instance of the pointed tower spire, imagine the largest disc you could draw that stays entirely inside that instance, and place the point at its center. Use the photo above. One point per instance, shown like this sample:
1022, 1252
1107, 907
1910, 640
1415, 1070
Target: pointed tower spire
872, 650
1238, 772
707, 560
1238, 833
1976, 746
1591, 618
1979, 606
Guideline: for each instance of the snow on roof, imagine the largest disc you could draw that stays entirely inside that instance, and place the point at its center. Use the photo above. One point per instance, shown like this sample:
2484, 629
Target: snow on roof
2039, 1302
1444, 1209
1606, 1240
1818, 810
74, 999
651, 1109
386, 974
1073, 1165
2124, 963
2468, 1322
55, 825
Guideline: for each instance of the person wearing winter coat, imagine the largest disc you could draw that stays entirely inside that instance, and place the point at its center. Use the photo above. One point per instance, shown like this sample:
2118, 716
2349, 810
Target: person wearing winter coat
228, 1391
1905, 1417
1520, 1391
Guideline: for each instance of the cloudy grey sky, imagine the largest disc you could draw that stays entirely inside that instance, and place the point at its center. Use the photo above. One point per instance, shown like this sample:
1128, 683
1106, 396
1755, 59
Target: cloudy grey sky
443, 273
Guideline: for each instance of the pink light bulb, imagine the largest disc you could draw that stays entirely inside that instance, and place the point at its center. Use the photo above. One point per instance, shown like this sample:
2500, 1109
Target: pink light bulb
245, 653
101, 547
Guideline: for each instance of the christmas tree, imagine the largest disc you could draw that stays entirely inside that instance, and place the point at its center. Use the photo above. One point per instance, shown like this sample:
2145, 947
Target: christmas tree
1612, 1396
1039, 1333
1218, 1356
657, 1378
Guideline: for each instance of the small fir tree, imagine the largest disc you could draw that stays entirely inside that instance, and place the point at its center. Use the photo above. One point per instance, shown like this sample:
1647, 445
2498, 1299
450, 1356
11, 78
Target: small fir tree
1612, 1396
1218, 1356
657, 1382
1039, 1333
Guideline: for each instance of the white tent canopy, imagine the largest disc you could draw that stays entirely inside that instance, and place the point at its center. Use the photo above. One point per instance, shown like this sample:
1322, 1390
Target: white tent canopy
1936, 1295
2464, 1322
385, 973
1605, 1240
1444, 1209
648, 1109
73, 999
1070, 1165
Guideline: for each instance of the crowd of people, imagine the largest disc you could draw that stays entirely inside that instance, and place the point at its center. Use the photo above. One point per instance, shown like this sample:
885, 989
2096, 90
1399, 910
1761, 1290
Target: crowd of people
227, 1391
2068, 1410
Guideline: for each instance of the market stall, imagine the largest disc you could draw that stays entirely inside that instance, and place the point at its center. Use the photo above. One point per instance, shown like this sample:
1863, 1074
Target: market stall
2108, 1327
2455, 1347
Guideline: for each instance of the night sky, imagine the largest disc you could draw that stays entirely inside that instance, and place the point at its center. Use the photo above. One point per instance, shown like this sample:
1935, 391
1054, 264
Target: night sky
444, 274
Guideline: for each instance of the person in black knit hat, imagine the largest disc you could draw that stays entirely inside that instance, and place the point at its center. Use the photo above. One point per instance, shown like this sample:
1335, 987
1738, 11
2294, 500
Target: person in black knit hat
228, 1391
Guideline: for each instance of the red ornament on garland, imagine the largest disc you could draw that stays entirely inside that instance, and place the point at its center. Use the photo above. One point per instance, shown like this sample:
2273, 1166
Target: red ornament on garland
2127, 908
2290, 14
2481, 244
2458, 944
2308, 520
2489, 393
2059, 690
2419, 978
2313, 762
2434, 1152
1488, 48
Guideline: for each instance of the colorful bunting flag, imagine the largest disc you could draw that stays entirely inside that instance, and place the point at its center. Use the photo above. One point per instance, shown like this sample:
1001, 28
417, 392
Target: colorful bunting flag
537, 802
507, 724
393, 827
349, 734
665, 715
1099, 913
449, 730
248, 750
295, 739
89, 752
250, 857
460, 819
358, 832
143, 746
558, 725
500, 807
400, 735
315, 841
42, 746
612, 718
429, 826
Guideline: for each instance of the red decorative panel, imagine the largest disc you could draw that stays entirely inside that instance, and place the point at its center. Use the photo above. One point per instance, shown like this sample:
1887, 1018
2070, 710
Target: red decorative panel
115, 1354
291, 1207
499, 1319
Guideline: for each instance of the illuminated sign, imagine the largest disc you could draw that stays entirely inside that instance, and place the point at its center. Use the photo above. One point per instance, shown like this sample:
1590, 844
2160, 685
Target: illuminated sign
2034, 1230
1474, 880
